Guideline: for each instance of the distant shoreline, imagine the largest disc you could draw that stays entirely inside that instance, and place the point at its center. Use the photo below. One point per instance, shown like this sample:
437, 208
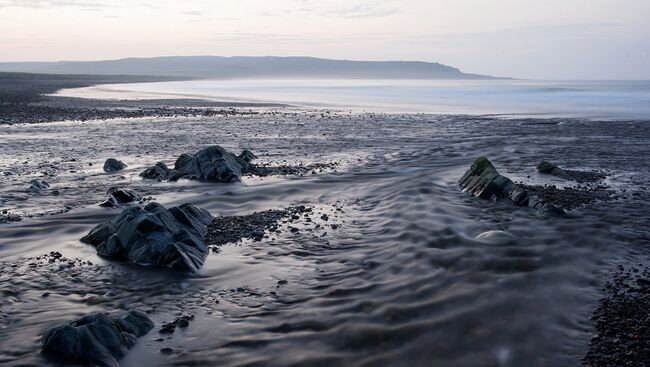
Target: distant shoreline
26, 98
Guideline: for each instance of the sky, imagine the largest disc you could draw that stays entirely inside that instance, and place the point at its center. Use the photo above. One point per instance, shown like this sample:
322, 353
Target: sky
539, 39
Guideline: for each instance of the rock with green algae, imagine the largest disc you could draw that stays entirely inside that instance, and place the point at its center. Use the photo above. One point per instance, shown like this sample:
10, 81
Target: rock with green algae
551, 169
484, 181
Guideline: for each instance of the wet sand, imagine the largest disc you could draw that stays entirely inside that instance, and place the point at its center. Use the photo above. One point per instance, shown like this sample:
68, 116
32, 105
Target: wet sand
28, 98
387, 269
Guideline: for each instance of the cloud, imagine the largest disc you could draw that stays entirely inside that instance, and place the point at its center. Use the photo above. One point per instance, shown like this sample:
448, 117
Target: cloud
366, 9
47, 4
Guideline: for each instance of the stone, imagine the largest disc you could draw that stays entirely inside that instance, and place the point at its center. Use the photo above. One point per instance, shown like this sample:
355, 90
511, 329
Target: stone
551, 169
159, 172
97, 339
37, 186
155, 236
483, 181
247, 156
213, 163
116, 198
112, 165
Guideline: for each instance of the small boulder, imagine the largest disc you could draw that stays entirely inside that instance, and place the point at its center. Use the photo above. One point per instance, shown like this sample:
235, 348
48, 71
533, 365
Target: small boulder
37, 186
551, 169
159, 172
112, 165
155, 236
116, 198
97, 339
483, 181
213, 163
247, 156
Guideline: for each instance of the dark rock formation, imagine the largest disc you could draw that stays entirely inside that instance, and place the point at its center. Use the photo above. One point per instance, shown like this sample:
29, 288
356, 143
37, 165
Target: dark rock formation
97, 339
247, 156
568, 174
158, 172
482, 180
551, 169
155, 236
116, 198
210, 164
37, 186
112, 165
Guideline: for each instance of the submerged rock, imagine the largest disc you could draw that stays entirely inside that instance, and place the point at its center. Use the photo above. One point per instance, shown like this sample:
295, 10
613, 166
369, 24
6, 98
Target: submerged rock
213, 163
97, 339
112, 165
155, 236
37, 186
551, 169
116, 198
483, 181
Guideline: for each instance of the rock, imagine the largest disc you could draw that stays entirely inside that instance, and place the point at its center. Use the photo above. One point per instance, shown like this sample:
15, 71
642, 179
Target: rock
497, 237
158, 172
116, 198
483, 181
210, 164
97, 339
551, 169
155, 236
112, 165
247, 156
10, 217
37, 186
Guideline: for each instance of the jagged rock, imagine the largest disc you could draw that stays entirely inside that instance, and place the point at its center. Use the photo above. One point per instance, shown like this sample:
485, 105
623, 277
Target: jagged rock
247, 156
551, 169
210, 164
37, 186
97, 339
155, 236
116, 198
483, 181
112, 165
159, 172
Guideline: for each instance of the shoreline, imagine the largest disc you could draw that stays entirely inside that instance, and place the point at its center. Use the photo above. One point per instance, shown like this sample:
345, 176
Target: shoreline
398, 169
27, 98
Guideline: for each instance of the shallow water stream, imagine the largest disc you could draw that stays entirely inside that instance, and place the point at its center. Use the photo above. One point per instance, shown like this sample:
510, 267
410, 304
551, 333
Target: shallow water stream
402, 280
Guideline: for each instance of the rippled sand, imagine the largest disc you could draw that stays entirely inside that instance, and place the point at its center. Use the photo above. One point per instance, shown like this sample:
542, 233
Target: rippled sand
402, 280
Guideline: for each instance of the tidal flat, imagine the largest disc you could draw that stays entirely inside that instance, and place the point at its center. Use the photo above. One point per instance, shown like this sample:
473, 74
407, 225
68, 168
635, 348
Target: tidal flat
388, 261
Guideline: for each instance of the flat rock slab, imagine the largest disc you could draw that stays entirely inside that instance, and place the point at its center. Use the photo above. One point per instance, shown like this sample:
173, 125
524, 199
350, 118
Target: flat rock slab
155, 236
97, 339
549, 168
213, 163
483, 181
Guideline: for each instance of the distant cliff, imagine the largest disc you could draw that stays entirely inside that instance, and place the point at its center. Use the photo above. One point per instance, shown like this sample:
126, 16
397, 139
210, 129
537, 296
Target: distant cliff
216, 67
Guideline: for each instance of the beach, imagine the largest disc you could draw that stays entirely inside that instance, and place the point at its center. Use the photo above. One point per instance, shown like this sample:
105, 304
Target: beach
387, 261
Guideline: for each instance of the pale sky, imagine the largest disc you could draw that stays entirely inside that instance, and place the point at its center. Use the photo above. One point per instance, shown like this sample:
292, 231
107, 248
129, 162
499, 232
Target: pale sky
549, 39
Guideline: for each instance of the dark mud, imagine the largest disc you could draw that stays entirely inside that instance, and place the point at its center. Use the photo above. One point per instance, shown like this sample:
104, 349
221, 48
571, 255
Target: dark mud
622, 321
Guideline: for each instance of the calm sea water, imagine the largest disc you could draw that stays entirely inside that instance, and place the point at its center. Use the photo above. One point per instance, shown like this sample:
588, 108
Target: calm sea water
584, 99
